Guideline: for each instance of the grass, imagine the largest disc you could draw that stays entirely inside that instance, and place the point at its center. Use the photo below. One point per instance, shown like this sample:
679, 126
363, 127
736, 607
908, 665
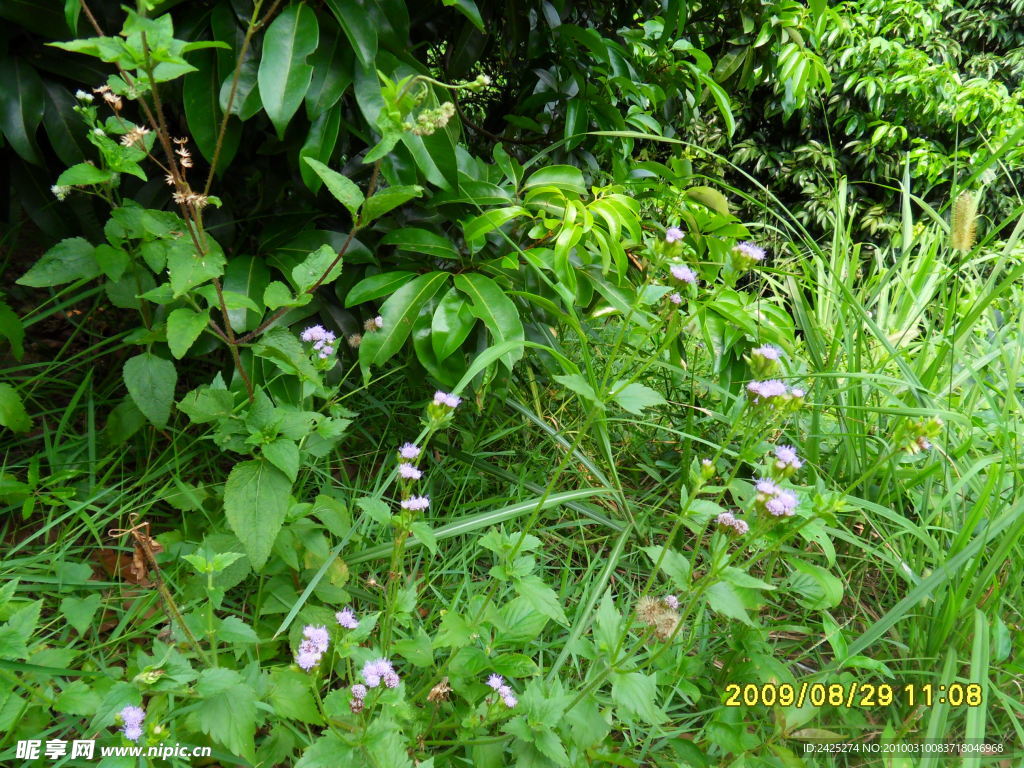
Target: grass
925, 550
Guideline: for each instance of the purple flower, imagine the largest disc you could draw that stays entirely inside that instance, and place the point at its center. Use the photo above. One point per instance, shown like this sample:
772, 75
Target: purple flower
767, 351
683, 273
740, 526
673, 234
495, 681
767, 487
443, 398
766, 389
391, 679
726, 518
786, 456
132, 716
313, 333
782, 504
347, 618
730, 521
409, 472
507, 696
416, 503
319, 638
307, 656
359, 691
672, 601
132, 732
675, 298
376, 670
749, 251
409, 451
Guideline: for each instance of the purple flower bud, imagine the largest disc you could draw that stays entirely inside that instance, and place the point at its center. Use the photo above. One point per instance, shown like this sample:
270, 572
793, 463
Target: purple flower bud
673, 234
409, 451
347, 618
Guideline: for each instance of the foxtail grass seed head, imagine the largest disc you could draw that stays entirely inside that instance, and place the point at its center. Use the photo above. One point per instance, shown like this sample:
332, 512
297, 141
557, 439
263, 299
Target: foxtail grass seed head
963, 224
746, 255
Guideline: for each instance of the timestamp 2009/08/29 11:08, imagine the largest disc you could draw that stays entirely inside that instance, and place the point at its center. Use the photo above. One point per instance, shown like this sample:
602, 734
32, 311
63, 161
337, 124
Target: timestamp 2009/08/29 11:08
851, 695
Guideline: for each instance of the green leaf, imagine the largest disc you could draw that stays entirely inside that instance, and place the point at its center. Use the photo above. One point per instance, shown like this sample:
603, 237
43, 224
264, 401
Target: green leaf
111, 261
277, 295
343, 189
188, 270
69, 260
635, 694
284, 76
291, 696
312, 268
359, 29
813, 586
12, 410
21, 106
332, 64
227, 710
84, 174
416, 650
495, 309
724, 600
201, 101
712, 198
16, 631
12, 329
480, 225
248, 276
579, 384
150, 381
388, 199
399, 313
425, 535
468, 9
256, 499
375, 286
80, 611
233, 630
542, 597
78, 699
184, 326
564, 177
283, 454
452, 321
328, 751
418, 240
673, 564
635, 397
319, 145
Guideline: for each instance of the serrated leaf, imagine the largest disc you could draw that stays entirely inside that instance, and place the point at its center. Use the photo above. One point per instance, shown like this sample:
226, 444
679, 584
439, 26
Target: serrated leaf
314, 266
635, 693
723, 599
69, 260
150, 381
635, 397
12, 410
227, 710
541, 597
283, 454
256, 499
344, 189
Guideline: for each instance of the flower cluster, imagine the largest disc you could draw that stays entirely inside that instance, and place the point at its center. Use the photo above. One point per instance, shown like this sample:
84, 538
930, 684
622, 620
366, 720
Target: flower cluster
184, 156
131, 718
683, 274
379, 671
60, 191
745, 255
660, 613
374, 324
508, 697
786, 461
108, 96
732, 524
409, 452
416, 503
322, 340
764, 360
135, 137
773, 394
440, 408
443, 398
430, 120
357, 702
313, 647
673, 235
778, 502
346, 617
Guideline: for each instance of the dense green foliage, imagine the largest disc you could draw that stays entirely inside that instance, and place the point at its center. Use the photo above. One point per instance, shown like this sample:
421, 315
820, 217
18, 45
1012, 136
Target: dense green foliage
721, 308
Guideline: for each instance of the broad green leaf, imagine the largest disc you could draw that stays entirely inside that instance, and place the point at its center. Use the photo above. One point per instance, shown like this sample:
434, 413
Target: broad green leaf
187, 270
360, 31
812, 586
375, 286
79, 611
635, 397
150, 381
724, 600
78, 699
542, 597
343, 189
17, 630
416, 650
184, 326
388, 199
69, 260
291, 696
468, 9
712, 198
247, 276
12, 410
673, 564
84, 174
332, 64
579, 384
328, 751
453, 320
399, 313
636, 695
419, 240
495, 309
277, 295
284, 75
283, 454
313, 267
488, 221
12, 329
319, 145
21, 105
226, 710
200, 98
256, 498
565, 177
